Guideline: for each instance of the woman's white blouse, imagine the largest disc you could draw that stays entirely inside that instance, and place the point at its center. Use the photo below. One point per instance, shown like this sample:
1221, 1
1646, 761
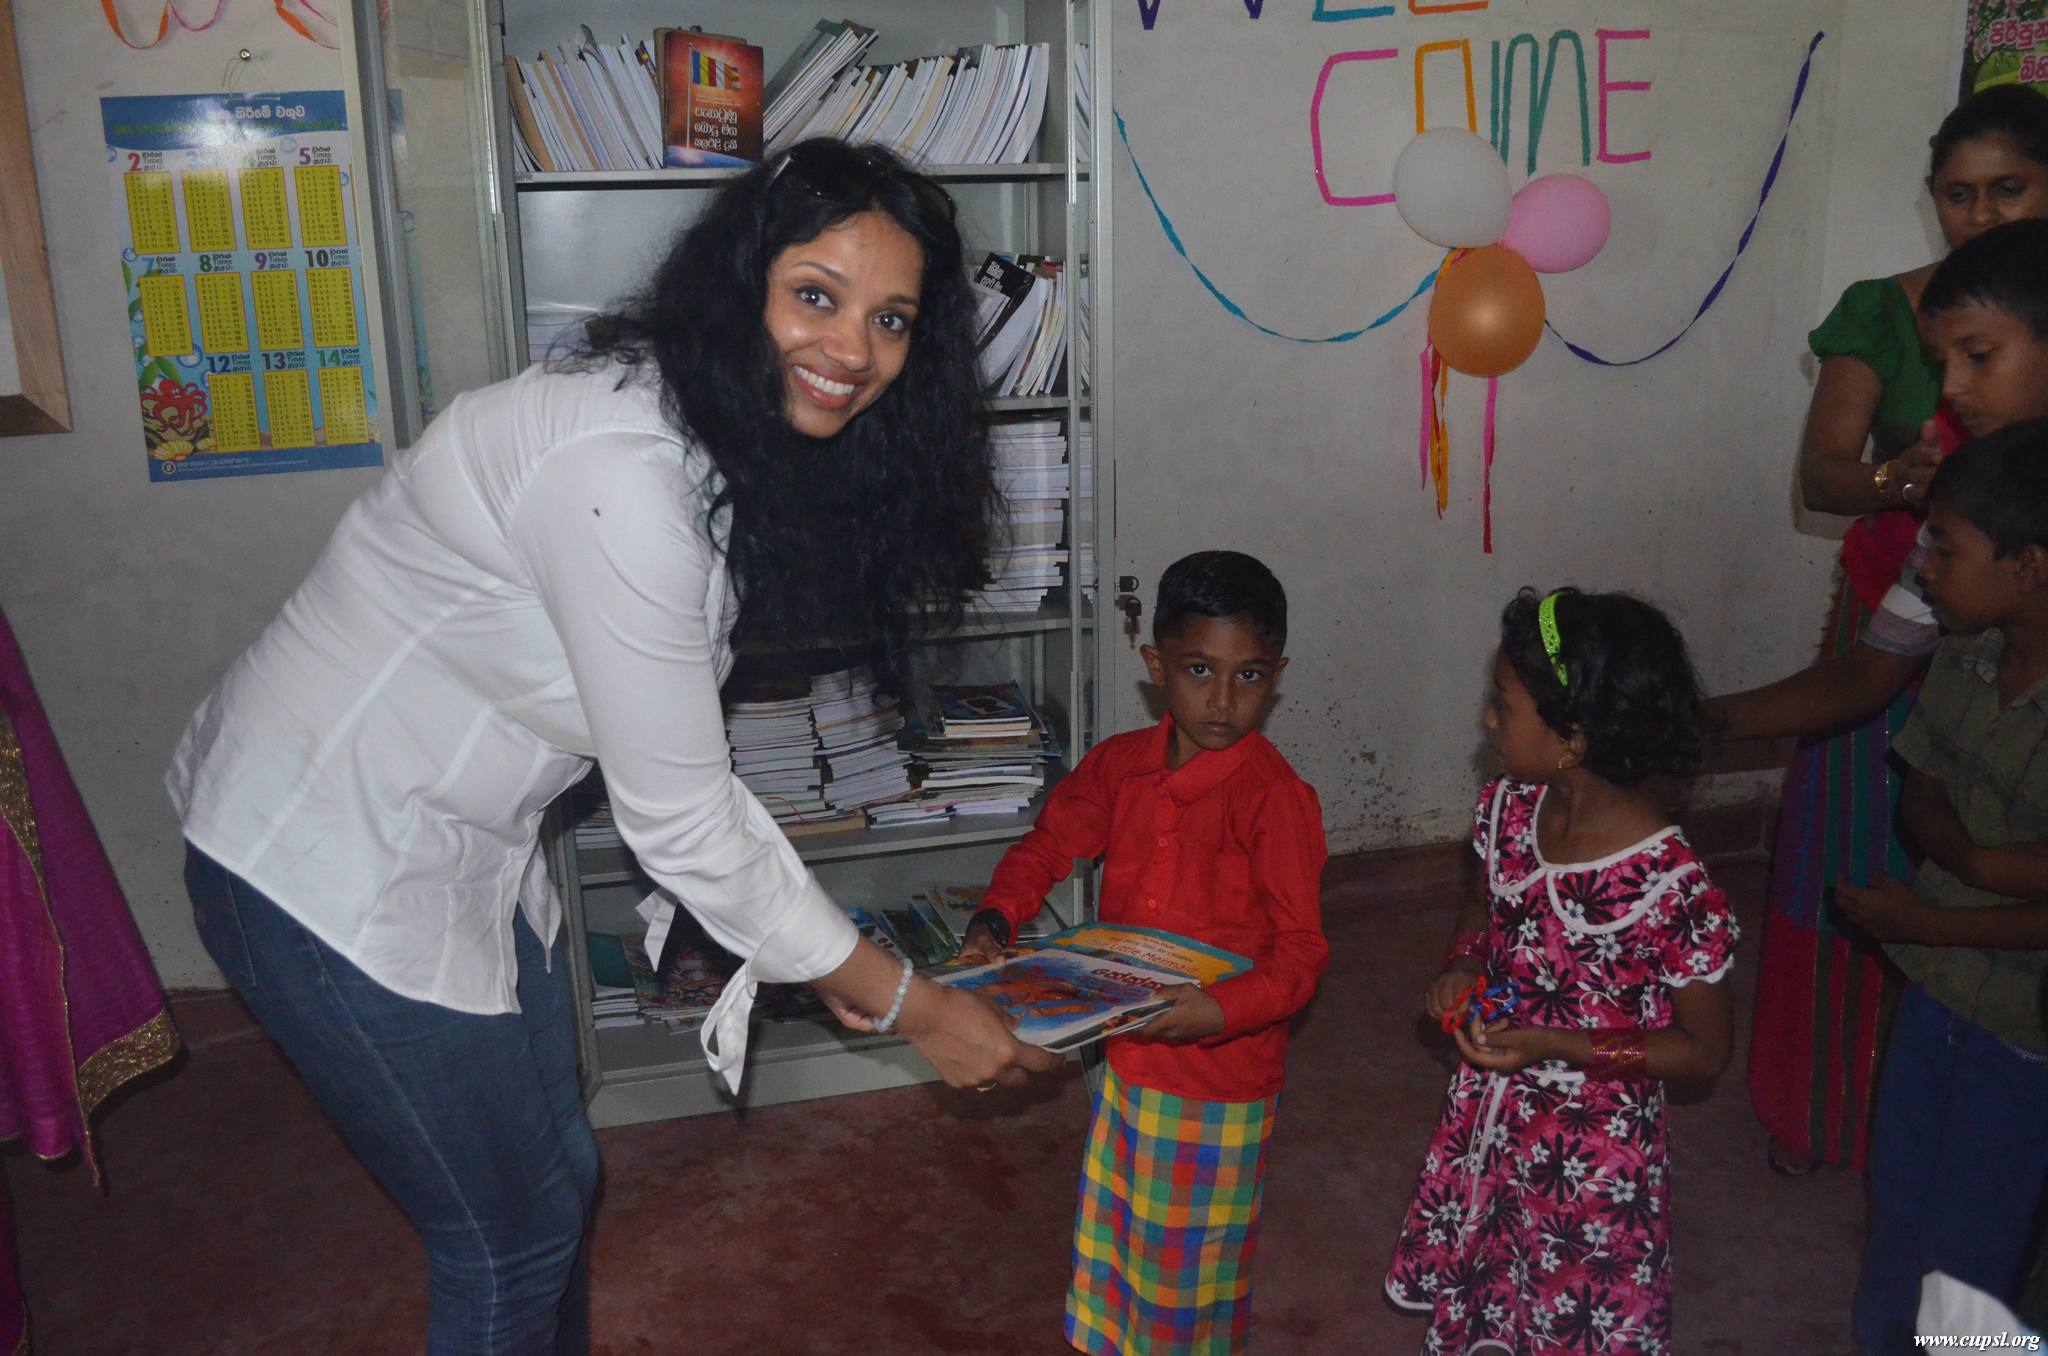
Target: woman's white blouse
531, 588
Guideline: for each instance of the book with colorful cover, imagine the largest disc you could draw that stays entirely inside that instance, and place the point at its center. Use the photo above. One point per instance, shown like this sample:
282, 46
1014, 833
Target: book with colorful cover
710, 99
1092, 981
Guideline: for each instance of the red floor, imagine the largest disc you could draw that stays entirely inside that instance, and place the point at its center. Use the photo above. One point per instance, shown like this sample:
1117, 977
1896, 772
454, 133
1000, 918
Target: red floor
917, 1220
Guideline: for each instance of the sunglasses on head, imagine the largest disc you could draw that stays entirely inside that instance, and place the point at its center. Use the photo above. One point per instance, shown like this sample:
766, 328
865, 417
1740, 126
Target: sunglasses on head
840, 173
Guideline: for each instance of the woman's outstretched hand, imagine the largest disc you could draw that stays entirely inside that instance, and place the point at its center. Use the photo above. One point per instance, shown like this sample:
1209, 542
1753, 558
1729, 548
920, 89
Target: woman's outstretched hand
968, 1039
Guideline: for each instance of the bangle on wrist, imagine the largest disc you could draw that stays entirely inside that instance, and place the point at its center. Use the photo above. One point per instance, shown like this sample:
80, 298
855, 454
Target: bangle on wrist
1619, 1054
888, 1023
1467, 945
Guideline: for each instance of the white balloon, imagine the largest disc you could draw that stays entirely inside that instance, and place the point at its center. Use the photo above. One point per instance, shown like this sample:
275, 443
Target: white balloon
1452, 189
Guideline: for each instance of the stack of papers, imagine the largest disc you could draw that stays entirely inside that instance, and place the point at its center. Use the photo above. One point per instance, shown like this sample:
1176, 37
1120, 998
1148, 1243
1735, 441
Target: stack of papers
794, 92
981, 106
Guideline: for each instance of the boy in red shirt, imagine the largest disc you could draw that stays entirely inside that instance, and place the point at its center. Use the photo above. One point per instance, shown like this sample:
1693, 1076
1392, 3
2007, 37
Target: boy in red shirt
1203, 830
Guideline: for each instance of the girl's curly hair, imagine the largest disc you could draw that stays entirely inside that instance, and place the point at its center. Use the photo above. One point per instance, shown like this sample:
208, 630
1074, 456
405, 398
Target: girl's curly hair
884, 527
1631, 692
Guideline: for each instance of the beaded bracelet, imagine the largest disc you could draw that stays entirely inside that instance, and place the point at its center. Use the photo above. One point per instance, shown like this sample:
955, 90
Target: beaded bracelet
888, 1022
1619, 1054
1467, 945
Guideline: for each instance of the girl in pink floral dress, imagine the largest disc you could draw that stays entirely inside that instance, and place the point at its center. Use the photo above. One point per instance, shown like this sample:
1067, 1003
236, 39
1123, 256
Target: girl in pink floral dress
1541, 1220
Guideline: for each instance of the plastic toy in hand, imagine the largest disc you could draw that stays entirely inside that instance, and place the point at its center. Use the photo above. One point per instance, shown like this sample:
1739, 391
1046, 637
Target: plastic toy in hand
1484, 1001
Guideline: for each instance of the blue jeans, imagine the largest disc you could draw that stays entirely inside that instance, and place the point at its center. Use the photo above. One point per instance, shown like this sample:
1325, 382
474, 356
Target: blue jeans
1958, 1155
474, 1124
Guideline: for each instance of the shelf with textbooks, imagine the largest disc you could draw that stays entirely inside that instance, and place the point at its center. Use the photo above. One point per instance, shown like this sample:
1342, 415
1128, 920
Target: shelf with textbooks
477, 238
535, 181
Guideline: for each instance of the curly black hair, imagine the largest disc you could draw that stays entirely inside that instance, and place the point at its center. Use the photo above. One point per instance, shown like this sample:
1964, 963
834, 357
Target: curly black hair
884, 527
1631, 692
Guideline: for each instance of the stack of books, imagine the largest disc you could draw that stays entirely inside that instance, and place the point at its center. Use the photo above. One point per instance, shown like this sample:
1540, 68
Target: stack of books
1031, 469
856, 725
1022, 309
586, 106
775, 749
591, 816
680, 994
980, 106
1082, 460
980, 750
795, 91
613, 1001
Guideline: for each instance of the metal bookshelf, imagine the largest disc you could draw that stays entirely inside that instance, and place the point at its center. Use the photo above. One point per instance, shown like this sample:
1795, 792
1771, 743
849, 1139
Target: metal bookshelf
463, 238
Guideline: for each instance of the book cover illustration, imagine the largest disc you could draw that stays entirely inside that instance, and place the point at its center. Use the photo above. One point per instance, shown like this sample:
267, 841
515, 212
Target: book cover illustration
710, 100
1092, 981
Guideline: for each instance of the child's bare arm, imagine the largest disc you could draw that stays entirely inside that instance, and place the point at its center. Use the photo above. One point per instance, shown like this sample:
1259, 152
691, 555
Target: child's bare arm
1835, 693
1889, 912
1449, 986
1695, 1045
2016, 871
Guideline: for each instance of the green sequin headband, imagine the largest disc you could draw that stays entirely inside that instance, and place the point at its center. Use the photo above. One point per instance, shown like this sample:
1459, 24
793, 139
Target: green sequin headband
1553, 643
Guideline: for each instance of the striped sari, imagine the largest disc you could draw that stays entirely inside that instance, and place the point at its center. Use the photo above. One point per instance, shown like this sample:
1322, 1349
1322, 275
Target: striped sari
1167, 1224
1824, 1000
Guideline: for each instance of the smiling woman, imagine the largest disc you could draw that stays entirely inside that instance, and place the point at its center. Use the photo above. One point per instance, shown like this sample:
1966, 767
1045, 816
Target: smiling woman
783, 429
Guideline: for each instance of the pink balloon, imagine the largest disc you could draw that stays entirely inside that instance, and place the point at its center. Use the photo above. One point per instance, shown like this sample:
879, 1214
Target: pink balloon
1558, 222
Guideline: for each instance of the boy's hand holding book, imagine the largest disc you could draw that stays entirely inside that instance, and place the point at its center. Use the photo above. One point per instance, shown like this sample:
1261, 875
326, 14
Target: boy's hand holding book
1193, 1016
980, 946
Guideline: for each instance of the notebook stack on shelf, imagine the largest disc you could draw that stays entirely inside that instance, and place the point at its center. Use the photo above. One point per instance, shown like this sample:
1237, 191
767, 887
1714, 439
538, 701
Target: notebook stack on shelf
980, 106
1022, 308
981, 750
795, 91
613, 1002
1031, 470
856, 724
586, 105
775, 750
592, 815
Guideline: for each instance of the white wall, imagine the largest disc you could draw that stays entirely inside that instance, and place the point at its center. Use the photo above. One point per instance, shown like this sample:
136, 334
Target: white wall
1673, 479
130, 598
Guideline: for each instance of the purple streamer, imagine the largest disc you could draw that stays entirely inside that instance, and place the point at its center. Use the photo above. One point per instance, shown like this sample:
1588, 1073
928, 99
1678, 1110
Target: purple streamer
1714, 292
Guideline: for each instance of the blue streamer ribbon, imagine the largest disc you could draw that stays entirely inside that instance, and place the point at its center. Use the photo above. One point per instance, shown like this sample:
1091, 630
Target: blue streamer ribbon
1223, 298
1763, 196
1706, 303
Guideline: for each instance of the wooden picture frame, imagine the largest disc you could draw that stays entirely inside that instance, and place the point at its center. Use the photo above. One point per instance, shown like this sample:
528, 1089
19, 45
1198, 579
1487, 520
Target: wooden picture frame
36, 400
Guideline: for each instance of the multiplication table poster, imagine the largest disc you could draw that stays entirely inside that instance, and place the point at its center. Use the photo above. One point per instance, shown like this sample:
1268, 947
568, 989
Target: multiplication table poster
242, 260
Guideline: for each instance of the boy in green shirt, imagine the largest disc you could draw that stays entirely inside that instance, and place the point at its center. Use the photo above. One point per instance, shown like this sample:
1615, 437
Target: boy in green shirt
1958, 1156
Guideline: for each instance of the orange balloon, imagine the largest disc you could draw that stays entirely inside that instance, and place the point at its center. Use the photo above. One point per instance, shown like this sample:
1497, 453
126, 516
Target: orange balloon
1487, 313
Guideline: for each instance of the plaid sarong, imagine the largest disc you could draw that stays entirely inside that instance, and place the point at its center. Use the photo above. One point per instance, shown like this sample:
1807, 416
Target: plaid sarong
1167, 1223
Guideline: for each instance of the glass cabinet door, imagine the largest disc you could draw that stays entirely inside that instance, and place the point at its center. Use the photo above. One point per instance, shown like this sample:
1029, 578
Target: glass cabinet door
434, 166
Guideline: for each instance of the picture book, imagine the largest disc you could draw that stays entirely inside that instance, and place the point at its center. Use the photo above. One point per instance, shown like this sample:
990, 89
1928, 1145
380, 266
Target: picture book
710, 99
1092, 981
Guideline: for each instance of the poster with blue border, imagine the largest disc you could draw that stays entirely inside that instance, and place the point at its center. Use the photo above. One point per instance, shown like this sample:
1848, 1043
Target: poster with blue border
242, 267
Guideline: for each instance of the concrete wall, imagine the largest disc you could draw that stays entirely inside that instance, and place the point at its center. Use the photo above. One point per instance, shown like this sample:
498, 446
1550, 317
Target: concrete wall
1673, 478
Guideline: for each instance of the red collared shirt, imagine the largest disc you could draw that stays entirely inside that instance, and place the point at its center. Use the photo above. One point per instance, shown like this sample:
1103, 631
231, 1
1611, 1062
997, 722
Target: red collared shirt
1227, 849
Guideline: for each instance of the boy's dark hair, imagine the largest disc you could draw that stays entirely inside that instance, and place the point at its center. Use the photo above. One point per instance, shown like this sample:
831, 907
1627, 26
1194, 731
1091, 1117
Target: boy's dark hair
1632, 691
2006, 268
1998, 484
1226, 584
2016, 111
